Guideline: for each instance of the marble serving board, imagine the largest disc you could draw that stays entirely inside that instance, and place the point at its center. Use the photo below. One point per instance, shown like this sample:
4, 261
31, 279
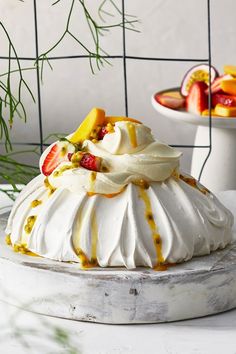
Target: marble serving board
203, 286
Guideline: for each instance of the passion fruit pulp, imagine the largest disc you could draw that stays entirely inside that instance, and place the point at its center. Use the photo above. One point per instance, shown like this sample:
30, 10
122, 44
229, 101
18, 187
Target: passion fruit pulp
197, 73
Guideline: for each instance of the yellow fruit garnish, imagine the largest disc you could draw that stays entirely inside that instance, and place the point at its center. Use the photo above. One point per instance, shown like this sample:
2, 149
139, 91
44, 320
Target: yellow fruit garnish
95, 117
230, 69
229, 86
119, 119
225, 111
206, 113
110, 127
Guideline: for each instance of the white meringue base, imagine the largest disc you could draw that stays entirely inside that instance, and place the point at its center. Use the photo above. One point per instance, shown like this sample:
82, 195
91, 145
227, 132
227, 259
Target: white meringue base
115, 230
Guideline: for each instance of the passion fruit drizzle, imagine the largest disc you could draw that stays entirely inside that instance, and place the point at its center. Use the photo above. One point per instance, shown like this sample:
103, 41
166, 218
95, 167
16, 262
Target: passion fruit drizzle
141, 183
35, 203
132, 134
111, 195
63, 150
49, 186
30, 221
21, 247
8, 240
93, 176
193, 183
155, 234
94, 232
62, 169
87, 263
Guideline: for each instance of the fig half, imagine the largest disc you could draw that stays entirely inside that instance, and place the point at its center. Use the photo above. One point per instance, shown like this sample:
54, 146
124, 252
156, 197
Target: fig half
197, 73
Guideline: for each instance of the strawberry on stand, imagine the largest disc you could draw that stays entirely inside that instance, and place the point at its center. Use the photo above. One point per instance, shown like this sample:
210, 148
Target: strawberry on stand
197, 101
195, 86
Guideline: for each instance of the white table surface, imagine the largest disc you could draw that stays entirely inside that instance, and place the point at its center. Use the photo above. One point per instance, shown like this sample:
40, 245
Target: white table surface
209, 335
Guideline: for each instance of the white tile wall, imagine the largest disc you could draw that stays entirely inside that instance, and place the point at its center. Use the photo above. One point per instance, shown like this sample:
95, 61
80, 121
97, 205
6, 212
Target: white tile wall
169, 28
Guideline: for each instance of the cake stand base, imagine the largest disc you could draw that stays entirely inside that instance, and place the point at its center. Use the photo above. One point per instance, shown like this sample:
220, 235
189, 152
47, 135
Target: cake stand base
200, 287
220, 170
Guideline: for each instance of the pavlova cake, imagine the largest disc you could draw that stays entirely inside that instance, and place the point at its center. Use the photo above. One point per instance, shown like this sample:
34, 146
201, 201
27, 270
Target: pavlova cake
110, 194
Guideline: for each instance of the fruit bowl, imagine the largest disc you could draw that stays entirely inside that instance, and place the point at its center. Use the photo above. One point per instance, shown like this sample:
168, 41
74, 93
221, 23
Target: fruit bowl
190, 118
223, 145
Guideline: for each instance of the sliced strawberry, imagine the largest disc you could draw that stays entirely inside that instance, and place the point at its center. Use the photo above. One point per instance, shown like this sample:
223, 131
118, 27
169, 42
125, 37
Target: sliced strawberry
226, 100
102, 132
69, 155
197, 101
53, 159
215, 86
170, 102
91, 162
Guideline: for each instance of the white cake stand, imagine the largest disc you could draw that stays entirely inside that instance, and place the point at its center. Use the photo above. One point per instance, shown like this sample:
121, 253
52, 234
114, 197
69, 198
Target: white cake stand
220, 171
203, 286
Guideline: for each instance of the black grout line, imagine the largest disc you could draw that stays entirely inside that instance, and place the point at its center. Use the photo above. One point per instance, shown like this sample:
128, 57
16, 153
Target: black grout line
209, 95
38, 78
108, 57
179, 146
124, 60
191, 146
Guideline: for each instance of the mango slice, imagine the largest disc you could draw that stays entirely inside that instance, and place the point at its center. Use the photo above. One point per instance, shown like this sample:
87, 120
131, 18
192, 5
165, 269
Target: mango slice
230, 69
119, 119
206, 113
225, 111
229, 86
95, 117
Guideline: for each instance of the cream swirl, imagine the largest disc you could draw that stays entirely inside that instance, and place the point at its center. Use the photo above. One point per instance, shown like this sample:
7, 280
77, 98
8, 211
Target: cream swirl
128, 138
130, 153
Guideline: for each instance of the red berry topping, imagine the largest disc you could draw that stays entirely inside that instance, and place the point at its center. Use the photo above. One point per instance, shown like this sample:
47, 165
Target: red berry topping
69, 155
91, 162
102, 132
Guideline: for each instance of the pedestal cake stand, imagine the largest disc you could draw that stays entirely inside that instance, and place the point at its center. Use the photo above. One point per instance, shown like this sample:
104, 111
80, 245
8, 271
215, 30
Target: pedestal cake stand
220, 170
200, 287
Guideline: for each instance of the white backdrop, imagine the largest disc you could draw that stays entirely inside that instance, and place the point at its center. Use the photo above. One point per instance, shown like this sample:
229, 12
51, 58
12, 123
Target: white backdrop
169, 28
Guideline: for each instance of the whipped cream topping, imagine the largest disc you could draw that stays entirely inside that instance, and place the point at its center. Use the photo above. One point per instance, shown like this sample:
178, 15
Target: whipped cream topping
128, 138
130, 153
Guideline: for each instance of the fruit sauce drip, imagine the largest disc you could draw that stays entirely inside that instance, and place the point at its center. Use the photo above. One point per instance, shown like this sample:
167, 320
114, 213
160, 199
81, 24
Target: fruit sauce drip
85, 262
132, 135
193, 183
155, 234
